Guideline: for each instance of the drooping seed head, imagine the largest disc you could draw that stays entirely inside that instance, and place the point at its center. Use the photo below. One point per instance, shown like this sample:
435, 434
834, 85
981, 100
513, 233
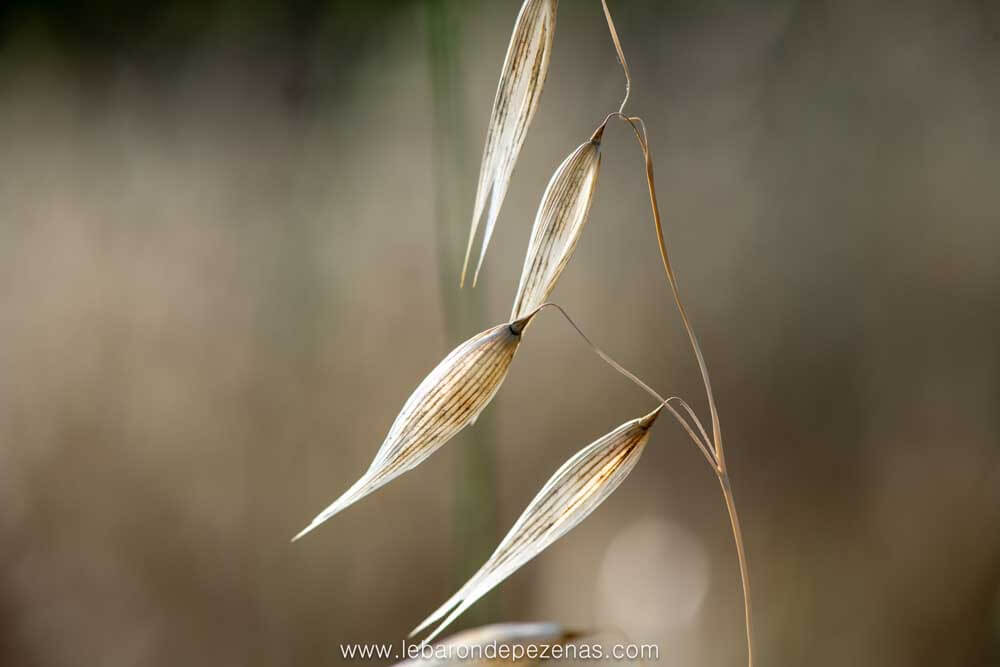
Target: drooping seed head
521, 81
570, 495
558, 225
448, 399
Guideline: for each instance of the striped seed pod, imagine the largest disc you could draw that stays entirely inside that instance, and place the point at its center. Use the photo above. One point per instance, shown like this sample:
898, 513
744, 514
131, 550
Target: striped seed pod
448, 399
559, 222
517, 96
570, 495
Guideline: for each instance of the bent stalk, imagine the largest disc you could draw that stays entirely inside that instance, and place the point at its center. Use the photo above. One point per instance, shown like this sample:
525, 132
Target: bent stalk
716, 447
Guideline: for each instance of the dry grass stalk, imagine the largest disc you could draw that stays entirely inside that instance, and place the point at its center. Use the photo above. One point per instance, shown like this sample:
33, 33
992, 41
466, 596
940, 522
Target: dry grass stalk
570, 495
716, 452
517, 96
559, 222
448, 399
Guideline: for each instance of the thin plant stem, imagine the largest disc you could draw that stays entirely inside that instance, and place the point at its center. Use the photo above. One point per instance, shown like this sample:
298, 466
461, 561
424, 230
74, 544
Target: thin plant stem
734, 520
720, 468
621, 54
721, 471
703, 445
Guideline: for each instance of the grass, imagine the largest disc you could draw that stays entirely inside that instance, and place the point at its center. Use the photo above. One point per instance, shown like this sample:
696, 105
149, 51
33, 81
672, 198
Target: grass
456, 392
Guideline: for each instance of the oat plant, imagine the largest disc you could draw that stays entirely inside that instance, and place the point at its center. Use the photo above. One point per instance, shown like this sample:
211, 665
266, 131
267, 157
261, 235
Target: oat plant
455, 392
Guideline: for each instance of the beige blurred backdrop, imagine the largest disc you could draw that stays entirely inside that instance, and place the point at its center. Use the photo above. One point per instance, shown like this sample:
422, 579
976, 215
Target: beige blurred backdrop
227, 255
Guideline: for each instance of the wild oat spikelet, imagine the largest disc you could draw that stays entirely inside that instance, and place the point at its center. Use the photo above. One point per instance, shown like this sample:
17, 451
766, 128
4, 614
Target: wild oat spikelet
448, 399
517, 96
570, 495
559, 222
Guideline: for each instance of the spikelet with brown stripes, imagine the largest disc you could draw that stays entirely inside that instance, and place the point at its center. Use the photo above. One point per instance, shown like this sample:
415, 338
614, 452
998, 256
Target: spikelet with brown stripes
521, 81
559, 222
570, 495
448, 399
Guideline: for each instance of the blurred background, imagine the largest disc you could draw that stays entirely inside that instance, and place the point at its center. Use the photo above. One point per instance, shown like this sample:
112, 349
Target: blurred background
230, 236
